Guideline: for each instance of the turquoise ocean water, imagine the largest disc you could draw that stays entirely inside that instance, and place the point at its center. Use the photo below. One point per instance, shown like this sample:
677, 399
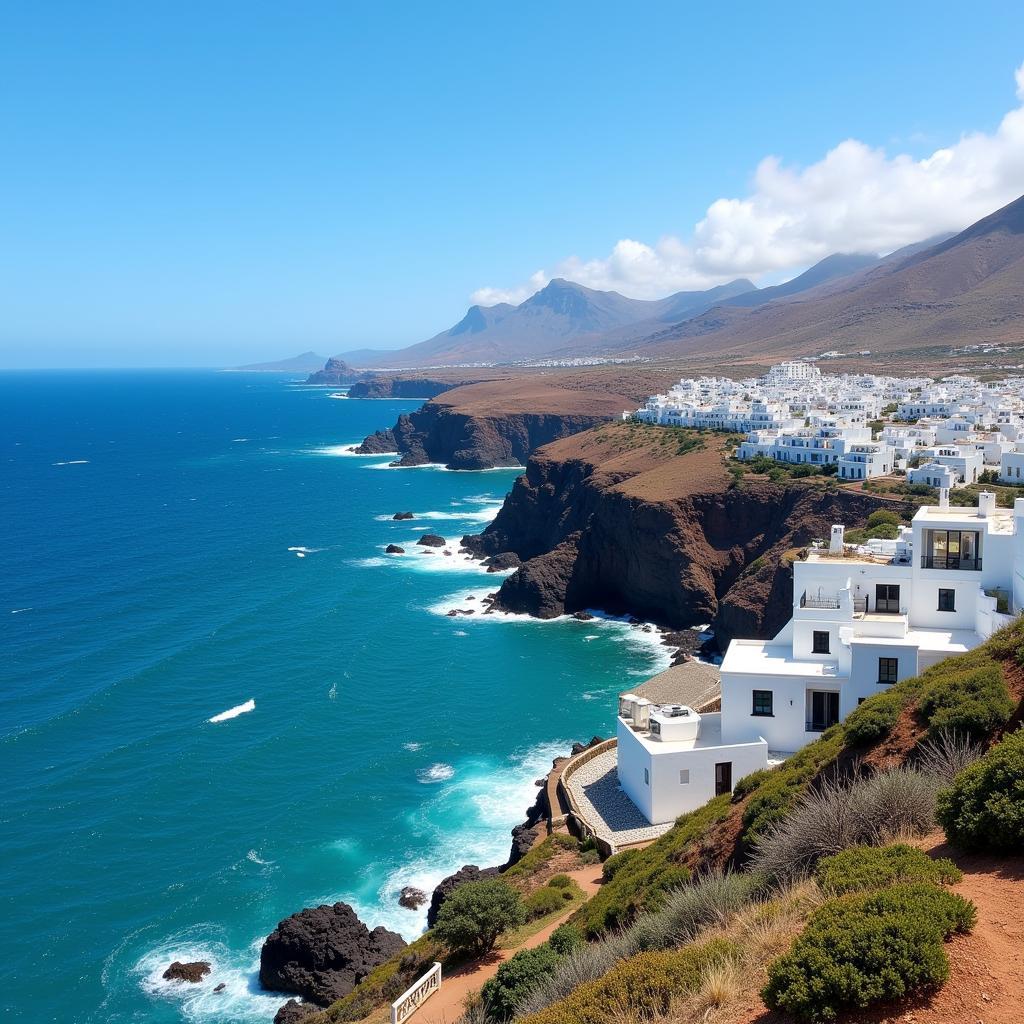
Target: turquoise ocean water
175, 545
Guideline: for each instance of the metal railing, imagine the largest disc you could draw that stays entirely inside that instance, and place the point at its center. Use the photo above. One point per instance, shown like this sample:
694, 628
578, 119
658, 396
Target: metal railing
951, 562
819, 726
818, 602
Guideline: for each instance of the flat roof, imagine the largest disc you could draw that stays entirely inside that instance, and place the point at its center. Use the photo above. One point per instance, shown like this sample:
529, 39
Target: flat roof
765, 658
946, 641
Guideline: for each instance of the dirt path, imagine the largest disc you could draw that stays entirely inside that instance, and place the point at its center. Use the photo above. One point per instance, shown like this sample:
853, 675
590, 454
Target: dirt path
447, 1005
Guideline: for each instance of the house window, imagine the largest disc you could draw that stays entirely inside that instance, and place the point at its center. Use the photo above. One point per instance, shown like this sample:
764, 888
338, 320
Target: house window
819, 642
684, 776
947, 600
763, 703
647, 777
888, 670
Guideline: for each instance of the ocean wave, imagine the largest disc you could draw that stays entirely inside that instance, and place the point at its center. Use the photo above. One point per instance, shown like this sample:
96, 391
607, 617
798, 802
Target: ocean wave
255, 858
370, 563
71, 462
238, 709
440, 467
241, 999
301, 552
467, 821
348, 451
18, 611
439, 772
411, 746
477, 515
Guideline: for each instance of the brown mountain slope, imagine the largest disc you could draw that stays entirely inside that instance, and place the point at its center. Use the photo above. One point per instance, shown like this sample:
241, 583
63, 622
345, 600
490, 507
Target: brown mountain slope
966, 290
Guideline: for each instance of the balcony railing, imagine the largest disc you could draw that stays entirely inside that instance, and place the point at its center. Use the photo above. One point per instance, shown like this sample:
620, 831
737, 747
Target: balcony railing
951, 562
810, 601
819, 726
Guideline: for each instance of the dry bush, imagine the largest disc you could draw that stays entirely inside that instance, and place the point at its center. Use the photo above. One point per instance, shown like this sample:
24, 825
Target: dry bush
946, 755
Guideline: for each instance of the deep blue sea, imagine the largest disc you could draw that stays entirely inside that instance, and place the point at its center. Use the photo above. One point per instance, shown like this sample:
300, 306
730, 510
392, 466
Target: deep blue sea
176, 544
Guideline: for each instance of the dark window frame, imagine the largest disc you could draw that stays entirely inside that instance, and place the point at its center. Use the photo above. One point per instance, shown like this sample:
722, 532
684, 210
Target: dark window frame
950, 595
815, 635
888, 667
761, 694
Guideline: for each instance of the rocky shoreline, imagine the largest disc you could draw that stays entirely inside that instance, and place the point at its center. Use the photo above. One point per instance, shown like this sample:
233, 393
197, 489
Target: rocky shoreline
321, 953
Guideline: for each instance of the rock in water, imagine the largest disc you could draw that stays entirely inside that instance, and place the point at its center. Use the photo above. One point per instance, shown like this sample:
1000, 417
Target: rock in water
403, 515
322, 953
394, 549
192, 972
220, 987
431, 540
582, 616
412, 898
503, 561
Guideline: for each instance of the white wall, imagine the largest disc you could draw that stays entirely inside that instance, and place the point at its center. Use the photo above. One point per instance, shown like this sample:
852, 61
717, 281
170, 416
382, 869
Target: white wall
632, 760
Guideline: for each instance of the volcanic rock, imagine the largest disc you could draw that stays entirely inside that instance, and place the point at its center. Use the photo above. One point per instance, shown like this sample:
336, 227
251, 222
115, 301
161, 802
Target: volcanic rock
503, 561
578, 748
412, 898
394, 549
432, 540
582, 616
321, 953
191, 972
293, 1011
220, 987
403, 515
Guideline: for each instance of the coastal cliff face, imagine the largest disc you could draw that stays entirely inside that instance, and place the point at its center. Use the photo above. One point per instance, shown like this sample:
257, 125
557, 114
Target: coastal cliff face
617, 519
400, 387
483, 425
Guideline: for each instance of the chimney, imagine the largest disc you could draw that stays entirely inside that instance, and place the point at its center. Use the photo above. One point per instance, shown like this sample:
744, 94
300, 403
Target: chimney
943, 497
986, 504
835, 544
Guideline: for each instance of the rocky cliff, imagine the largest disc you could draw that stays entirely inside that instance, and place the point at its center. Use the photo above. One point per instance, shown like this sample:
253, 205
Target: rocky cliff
625, 519
400, 387
488, 424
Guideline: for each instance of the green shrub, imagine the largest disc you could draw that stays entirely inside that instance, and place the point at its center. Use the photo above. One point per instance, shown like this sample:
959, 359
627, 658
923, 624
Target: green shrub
560, 882
974, 701
748, 784
475, 914
864, 949
880, 516
545, 901
516, 978
617, 860
875, 867
884, 531
874, 719
536, 858
984, 808
565, 938
645, 984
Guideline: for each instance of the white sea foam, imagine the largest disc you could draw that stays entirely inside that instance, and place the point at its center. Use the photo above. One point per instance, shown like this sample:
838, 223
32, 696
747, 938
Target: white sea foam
72, 462
346, 451
435, 773
460, 632
338, 394
253, 856
238, 709
241, 999
370, 563
440, 467
411, 746
476, 515
18, 611
238, 440
487, 799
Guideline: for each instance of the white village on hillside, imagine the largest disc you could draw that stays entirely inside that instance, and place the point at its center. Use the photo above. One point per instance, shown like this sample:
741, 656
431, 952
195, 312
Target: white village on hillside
865, 615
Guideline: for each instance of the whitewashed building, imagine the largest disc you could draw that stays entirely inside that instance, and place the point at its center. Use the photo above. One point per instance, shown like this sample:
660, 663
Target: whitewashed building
863, 618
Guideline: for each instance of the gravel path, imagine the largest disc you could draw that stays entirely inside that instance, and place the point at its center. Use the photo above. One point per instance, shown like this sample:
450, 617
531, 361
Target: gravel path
595, 787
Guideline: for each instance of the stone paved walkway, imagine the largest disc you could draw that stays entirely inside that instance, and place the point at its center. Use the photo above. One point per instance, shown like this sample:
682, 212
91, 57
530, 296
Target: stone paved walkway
595, 787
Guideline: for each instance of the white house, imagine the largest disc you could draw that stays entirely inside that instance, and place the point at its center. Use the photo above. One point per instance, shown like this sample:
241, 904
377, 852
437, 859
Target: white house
866, 618
1011, 465
863, 618
964, 460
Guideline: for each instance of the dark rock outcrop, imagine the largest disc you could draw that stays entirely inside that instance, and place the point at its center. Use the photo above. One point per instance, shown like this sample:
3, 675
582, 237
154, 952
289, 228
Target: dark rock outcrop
399, 516
382, 386
293, 1011
322, 952
192, 972
483, 425
412, 898
335, 372
432, 540
394, 549
707, 553
502, 562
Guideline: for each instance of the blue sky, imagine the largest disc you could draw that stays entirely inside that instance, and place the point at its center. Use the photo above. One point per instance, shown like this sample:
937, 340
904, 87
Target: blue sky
208, 184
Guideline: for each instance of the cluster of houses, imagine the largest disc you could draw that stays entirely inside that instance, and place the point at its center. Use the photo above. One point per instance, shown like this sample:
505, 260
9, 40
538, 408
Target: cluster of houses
942, 433
864, 617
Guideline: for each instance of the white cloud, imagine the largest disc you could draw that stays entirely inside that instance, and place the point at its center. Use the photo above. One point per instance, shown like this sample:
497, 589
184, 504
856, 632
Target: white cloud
855, 199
